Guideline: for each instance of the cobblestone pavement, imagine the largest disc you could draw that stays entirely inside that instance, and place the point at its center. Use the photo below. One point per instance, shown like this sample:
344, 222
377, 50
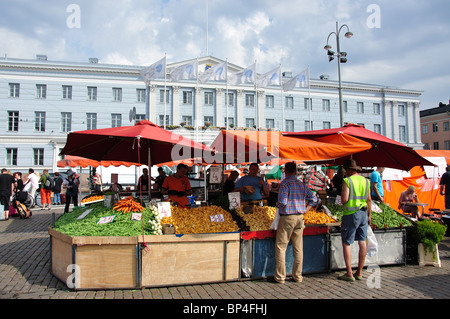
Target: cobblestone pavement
25, 274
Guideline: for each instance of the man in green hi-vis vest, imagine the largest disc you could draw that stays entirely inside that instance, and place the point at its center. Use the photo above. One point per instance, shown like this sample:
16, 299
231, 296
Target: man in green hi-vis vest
357, 202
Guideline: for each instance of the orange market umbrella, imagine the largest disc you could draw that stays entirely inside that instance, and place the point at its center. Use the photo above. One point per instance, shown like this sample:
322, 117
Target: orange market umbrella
262, 146
75, 161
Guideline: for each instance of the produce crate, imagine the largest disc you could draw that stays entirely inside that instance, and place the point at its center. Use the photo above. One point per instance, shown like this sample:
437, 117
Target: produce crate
189, 259
391, 249
258, 252
99, 262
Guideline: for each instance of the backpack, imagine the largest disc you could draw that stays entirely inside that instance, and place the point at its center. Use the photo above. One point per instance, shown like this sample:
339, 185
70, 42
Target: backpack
22, 210
49, 183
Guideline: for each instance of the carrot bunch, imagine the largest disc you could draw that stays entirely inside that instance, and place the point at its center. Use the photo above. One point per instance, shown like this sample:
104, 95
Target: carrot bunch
127, 205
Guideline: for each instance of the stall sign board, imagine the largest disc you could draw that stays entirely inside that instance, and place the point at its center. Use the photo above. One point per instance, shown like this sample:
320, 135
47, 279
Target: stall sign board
235, 199
164, 209
217, 218
106, 219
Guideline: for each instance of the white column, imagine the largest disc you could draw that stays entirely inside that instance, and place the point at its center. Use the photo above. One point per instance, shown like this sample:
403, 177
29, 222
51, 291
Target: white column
260, 120
418, 129
387, 111
175, 105
395, 135
219, 107
198, 121
153, 97
411, 123
239, 120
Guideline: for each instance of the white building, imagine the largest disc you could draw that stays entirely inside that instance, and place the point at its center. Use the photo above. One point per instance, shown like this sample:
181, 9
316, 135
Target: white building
41, 101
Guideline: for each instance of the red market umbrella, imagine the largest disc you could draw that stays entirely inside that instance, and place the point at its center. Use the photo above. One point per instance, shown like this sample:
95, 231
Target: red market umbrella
76, 161
144, 143
385, 152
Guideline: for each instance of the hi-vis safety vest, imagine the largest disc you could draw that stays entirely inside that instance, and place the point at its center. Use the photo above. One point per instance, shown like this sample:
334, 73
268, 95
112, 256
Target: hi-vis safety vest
359, 192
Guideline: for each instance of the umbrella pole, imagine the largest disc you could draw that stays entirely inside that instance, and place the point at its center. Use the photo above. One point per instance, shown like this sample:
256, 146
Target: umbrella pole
150, 176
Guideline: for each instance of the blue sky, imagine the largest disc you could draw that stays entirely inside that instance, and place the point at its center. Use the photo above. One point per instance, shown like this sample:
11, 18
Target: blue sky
396, 43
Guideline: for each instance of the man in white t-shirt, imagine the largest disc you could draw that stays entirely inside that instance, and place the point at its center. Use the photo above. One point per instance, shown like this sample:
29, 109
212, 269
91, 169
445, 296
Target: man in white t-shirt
32, 183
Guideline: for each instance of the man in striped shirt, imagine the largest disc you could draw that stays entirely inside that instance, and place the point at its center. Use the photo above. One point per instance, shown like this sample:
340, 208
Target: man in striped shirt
294, 199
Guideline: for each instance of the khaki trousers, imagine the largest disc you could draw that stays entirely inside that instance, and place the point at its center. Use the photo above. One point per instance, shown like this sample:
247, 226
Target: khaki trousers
290, 228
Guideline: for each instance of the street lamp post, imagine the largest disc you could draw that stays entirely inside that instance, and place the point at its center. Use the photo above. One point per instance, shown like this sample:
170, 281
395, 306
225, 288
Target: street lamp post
341, 58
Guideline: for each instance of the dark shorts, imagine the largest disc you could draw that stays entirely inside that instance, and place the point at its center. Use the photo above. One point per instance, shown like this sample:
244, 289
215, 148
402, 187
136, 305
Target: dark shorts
354, 227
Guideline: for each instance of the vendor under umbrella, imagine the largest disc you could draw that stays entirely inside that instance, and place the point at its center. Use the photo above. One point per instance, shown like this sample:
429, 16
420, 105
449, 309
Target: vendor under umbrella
252, 187
177, 186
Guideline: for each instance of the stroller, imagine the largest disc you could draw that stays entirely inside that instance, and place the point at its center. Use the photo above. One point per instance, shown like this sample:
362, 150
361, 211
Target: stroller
21, 204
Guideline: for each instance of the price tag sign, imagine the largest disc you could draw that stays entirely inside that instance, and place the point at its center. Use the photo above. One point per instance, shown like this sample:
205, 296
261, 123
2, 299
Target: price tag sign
235, 199
164, 209
136, 216
106, 220
217, 218
215, 175
85, 213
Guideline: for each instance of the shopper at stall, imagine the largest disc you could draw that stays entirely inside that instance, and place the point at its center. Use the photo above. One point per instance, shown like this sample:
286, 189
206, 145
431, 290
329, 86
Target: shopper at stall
32, 184
6, 190
143, 182
357, 203
252, 186
97, 181
294, 199
409, 196
177, 186
57, 189
444, 187
377, 185
46, 189
230, 183
71, 185
336, 182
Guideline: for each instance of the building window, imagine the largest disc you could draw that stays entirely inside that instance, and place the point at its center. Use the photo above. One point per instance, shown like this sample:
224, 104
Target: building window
307, 103
38, 156
270, 101
289, 102
326, 105
345, 106
289, 125
117, 94
209, 98
91, 121
308, 126
435, 127
376, 108
326, 125
41, 91
446, 126
359, 107
92, 93
249, 100
67, 92
208, 120
161, 96
446, 145
424, 129
377, 128
402, 133
187, 119
187, 97
161, 120
435, 145
230, 99
139, 117
39, 124
426, 146
13, 121
230, 121
14, 89
66, 122
116, 120
140, 95
11, 156
249, 122
401, 110
270, 123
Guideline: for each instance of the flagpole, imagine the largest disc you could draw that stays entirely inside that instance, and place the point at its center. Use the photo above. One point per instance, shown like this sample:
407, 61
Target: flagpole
226, 91
196, 106
256, 95
165, 72
309, 102
282, 107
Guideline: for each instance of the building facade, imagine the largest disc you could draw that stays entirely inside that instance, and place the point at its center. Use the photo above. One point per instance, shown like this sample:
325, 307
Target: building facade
41, 101
435, 126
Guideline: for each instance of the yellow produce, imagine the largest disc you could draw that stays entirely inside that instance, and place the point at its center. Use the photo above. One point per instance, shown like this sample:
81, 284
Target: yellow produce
261, 218
92, 198
315, 217
198, 220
